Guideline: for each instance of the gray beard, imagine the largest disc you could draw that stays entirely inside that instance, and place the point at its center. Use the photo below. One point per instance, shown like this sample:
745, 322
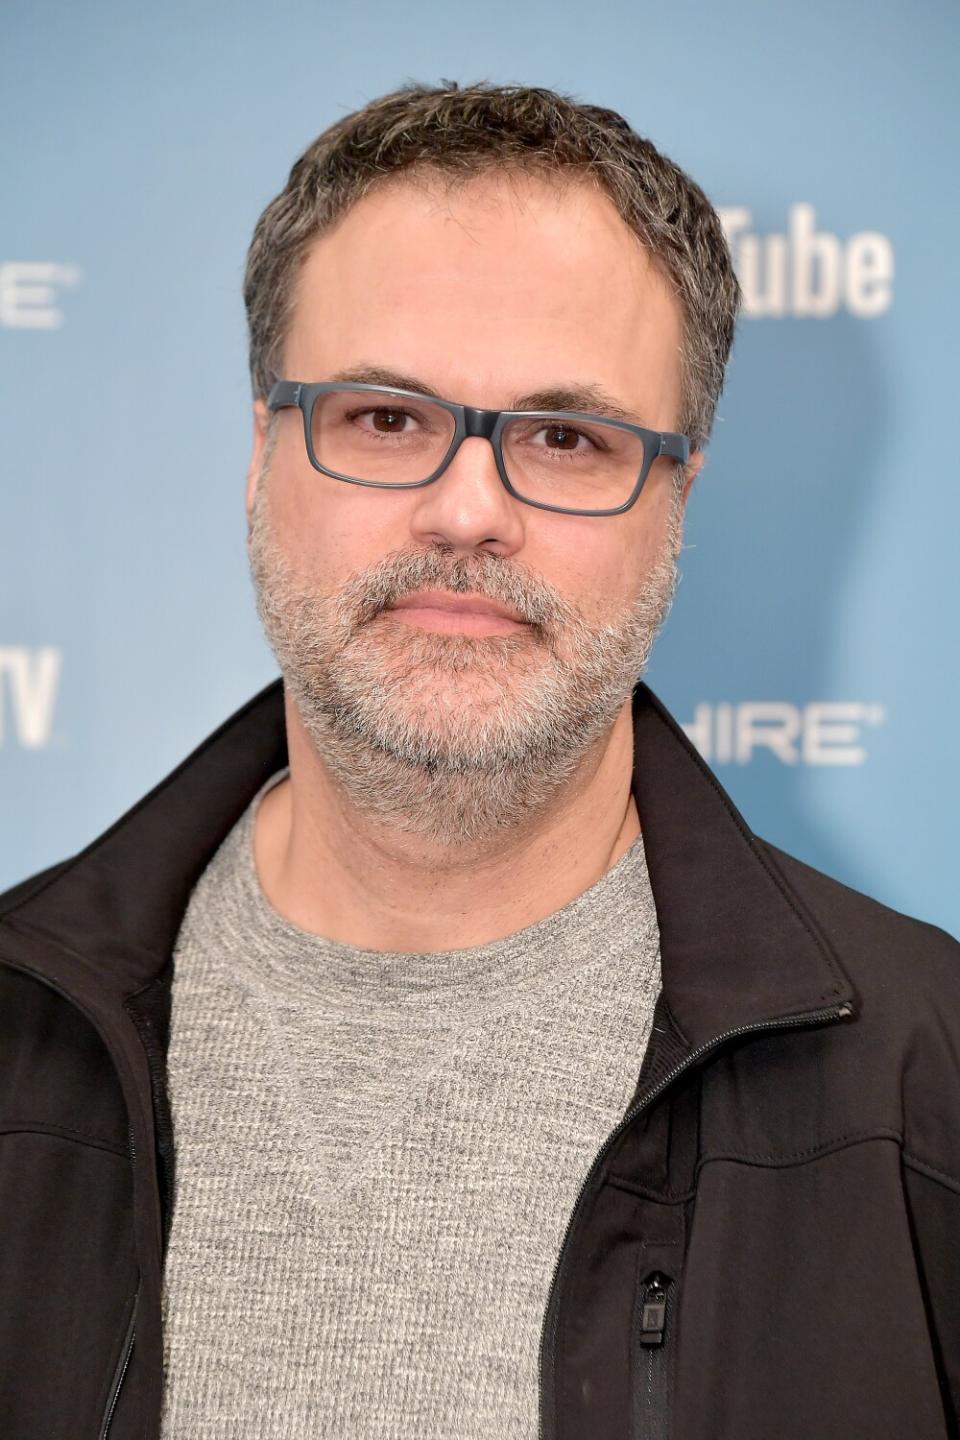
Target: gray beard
454, 738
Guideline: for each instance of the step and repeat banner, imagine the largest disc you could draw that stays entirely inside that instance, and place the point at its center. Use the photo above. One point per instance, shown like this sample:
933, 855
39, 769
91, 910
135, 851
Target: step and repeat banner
812, 649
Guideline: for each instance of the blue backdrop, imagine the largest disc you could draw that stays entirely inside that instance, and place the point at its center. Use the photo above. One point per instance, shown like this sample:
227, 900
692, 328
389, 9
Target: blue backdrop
811, 649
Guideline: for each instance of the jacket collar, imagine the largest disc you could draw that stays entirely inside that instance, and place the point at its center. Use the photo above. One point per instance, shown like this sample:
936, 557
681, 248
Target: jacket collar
737, 946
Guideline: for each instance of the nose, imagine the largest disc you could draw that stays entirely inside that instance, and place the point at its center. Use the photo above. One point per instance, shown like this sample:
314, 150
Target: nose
468, 507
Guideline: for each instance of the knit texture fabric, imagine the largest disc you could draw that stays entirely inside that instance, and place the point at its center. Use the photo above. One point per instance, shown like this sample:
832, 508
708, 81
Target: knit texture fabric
377, 1156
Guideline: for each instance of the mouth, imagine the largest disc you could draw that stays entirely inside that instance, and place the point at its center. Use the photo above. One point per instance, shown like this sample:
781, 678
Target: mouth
447, 613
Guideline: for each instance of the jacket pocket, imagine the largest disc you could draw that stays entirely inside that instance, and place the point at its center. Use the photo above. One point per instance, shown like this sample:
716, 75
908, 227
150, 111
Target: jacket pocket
120, 1373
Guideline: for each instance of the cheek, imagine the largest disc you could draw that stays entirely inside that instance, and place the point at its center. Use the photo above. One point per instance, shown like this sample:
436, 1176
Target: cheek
593, 563
333, 529
647, 533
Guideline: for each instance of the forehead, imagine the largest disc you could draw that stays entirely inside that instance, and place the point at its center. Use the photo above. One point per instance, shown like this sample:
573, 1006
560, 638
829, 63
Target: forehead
497, 283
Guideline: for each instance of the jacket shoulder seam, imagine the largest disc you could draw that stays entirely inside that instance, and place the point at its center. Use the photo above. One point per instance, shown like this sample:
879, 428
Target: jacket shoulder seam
773, 1159
932, 1172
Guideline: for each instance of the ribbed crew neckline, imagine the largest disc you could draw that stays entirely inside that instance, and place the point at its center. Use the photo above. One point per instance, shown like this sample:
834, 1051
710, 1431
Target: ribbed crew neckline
283, 957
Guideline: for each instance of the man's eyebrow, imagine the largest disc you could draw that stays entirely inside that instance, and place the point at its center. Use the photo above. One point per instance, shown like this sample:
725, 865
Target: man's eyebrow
585, 396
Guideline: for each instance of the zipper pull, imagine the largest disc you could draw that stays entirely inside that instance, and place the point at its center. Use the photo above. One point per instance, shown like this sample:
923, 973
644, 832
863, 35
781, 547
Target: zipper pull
654, 1311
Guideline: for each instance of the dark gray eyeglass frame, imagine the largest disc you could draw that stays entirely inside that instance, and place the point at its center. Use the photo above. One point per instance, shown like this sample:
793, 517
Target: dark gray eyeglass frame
470, 421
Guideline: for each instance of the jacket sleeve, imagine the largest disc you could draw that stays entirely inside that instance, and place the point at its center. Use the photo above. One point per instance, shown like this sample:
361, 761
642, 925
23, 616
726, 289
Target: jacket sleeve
934, 1204
931, 1146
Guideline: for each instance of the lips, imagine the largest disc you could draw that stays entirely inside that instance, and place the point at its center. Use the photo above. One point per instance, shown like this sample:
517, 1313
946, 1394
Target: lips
457, 604
470, 614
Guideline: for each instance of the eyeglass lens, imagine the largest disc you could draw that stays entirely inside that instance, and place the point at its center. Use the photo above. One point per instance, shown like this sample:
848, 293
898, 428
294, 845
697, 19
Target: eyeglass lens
394, 440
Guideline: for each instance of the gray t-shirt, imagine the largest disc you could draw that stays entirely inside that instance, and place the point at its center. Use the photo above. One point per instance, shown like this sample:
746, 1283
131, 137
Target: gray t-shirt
377, 1155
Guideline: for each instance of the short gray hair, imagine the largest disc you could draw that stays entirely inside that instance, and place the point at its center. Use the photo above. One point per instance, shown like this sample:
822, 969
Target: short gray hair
461, 132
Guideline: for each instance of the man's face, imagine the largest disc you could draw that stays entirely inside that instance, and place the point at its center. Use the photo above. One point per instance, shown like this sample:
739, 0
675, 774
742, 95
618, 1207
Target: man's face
455, 724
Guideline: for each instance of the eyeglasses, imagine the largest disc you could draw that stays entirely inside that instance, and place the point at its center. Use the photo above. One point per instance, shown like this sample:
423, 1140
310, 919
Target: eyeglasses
559, 460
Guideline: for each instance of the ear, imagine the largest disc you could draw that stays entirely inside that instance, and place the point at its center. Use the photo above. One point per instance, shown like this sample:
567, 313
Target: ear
690, 472
261, 421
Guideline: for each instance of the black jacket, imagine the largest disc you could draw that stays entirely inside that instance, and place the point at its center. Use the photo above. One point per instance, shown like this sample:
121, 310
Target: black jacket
765, 1249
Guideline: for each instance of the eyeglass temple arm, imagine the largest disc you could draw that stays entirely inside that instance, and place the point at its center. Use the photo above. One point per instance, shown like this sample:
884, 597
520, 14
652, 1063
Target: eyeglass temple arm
676, 446
284, 392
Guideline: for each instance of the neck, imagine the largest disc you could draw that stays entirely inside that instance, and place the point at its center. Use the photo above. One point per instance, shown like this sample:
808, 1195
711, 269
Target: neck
335, 871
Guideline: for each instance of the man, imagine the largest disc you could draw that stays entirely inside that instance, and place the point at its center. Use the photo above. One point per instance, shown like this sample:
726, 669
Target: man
437, 1052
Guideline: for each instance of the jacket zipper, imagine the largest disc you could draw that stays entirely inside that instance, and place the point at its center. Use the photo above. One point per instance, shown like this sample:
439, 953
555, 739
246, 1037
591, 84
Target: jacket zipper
650, 1361
120, 1372
812, 1017
131, 1336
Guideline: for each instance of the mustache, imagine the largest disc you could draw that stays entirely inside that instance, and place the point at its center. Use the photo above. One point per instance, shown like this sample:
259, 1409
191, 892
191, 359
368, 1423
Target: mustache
402, 572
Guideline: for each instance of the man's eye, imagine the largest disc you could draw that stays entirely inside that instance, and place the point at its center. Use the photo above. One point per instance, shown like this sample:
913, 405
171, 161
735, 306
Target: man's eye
564, 438
387, 422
